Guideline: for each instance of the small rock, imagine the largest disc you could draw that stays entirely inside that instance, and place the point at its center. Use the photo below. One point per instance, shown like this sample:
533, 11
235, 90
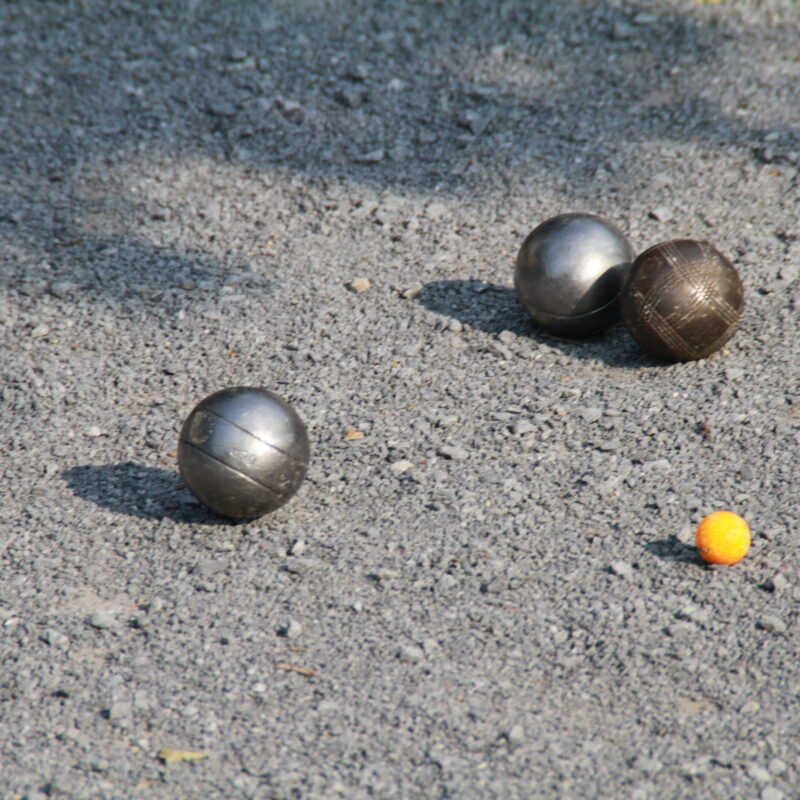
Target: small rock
411, 291
410, 653
386, 574
209, 567
591, 414
622, 31
771, 793
358, 606
506, 337
56, 639
777, 583
154, 605
455, 326
777, 766
661, 213
298, 548
515, 734
373, 157
772, 624
759, 773
40, 331
103, 620
399, 467
119, 711
396, 85
302, 566
522, 427
293, 629
475, 122
93, 431
750, 707
447, 581
350, 96
436, 211
62, 289
453, 452
360, 284
649, 765
621, 569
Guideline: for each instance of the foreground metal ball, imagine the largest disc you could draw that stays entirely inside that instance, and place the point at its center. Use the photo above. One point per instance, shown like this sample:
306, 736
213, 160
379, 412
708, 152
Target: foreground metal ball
569, 274
243, 452
682, 300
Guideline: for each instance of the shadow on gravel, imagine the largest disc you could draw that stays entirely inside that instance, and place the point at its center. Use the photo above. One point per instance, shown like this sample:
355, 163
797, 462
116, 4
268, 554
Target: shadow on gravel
673, 550
425, 99
492, 308
138, 491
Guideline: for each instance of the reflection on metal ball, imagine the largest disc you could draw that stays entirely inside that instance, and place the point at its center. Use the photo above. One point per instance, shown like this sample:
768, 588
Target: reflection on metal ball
243, 452
569, 274
682, 300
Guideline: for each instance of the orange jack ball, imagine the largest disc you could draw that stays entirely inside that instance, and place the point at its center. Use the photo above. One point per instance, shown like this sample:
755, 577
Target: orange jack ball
722, 538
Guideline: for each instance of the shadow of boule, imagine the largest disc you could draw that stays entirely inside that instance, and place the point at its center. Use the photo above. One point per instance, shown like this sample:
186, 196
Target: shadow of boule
138, 491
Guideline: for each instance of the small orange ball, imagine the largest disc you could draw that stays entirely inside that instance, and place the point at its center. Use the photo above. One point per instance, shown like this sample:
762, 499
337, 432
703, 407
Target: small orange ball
722, 538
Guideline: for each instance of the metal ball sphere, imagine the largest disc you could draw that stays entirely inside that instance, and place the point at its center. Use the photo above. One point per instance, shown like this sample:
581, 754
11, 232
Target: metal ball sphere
243, 451
682, 300
569, 274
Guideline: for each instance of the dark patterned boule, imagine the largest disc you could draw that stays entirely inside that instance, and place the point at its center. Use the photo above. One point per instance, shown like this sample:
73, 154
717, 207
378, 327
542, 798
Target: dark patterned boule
682, 300
243, 452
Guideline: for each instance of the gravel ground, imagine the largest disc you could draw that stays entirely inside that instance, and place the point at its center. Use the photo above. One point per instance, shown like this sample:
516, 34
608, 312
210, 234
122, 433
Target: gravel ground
494, 592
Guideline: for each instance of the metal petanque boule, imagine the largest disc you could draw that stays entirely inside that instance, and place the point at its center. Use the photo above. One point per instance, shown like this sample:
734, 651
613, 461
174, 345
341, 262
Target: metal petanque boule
682, 300
569, 273
243, 451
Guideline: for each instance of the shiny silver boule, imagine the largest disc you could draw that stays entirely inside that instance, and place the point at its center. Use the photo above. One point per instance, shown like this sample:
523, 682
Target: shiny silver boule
243, 451
569, 274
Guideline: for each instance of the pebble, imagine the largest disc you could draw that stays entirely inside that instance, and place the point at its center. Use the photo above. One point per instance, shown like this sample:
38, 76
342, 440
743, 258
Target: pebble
777, 583
771, 793
360, 284
411, 291
104, 620
120, 710
399, 467
436, 211
154, 605
410, 653
62, 289
772, 624
622, 31
649, 765
622, 568
777, 766
293, 629
750, 707
372, 157
453, 452
506, 337
298, 548
300, 565
515, 734
56, 639
758, 773
40, 331
523, 426
591, 414
661, 213
93, 431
